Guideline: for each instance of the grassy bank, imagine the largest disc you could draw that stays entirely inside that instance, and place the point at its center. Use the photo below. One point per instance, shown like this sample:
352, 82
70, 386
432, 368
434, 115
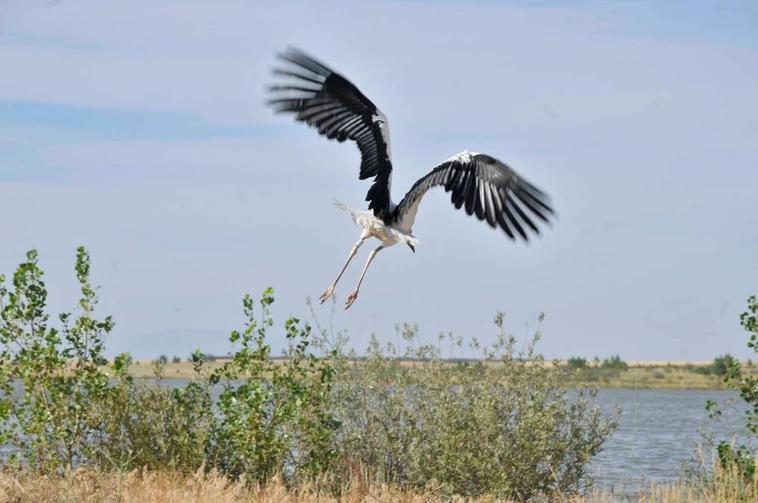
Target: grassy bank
201, 487
637, 375
656, 376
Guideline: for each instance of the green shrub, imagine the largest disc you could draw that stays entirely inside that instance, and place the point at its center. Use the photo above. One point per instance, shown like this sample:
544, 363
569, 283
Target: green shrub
74, 411
58, 369
147, 425
723, 364
748, 384
508, 426
614, 363
576, 363
272, 419
740, 460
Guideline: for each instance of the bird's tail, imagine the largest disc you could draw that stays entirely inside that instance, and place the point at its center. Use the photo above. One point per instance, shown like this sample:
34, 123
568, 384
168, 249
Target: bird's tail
353, 212
341, 206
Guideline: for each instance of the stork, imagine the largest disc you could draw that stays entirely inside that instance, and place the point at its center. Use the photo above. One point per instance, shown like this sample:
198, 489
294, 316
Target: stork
483, 185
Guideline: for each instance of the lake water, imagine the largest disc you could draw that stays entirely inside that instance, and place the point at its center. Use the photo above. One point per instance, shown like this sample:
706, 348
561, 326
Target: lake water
657, 434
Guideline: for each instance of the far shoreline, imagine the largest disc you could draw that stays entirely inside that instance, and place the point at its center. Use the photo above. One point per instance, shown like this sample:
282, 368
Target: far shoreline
638, 374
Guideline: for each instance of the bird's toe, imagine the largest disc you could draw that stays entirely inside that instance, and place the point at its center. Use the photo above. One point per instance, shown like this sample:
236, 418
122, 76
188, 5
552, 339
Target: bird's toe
327, 293
350, 299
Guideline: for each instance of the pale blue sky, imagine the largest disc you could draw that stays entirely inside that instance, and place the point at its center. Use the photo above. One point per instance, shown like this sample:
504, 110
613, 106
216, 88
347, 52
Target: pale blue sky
138, 129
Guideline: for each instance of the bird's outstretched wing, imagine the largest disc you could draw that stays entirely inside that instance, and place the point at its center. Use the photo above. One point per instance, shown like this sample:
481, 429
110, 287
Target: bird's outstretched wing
487, 188
338, 110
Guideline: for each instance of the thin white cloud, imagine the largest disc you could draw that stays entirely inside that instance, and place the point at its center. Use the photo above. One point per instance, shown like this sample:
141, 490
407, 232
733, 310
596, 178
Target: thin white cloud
646, 144
213, 59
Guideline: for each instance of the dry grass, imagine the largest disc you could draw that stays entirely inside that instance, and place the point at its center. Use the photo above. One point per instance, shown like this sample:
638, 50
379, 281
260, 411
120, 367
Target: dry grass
138, 487
681, 492
165, 486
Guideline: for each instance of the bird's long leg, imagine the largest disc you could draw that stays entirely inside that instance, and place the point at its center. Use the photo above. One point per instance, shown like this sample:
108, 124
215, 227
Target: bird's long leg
354, 294
328, 292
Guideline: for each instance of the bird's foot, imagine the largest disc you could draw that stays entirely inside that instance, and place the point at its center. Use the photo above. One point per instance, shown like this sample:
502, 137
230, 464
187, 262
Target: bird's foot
327, 293
351, 298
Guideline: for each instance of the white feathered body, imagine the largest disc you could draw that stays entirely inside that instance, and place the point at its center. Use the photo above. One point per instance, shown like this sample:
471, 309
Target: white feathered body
375, 227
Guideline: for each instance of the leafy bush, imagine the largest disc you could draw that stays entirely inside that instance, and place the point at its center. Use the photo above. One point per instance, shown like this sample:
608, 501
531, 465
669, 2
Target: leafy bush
147, 425
740, 460
58, 370
721, 366
267, 420
724, 364
748, 385
576, 363
272, 419
614, 363
506, 426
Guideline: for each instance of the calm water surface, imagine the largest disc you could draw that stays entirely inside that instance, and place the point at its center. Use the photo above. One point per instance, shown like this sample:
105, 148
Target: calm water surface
657, 434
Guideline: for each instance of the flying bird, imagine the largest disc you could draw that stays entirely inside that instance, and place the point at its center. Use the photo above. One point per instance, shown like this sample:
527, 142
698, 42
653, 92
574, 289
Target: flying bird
483, 185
